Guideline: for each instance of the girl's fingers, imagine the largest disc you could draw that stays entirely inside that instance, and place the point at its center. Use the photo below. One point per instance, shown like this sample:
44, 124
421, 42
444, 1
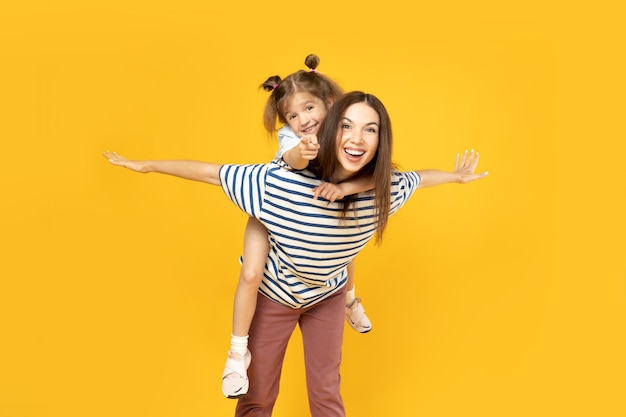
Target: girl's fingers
317, 190
309, 140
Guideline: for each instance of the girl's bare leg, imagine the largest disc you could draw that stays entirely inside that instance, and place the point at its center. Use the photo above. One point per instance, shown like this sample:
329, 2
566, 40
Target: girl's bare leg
255, 249
350, 284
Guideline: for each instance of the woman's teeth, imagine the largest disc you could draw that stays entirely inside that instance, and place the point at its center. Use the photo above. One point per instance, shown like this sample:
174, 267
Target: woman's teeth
353, 152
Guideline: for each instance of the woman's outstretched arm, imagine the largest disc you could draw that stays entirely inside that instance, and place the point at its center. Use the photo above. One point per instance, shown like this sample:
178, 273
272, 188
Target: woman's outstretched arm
463, 172
189, 170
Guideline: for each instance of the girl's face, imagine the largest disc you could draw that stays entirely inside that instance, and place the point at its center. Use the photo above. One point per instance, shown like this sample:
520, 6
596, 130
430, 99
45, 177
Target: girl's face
304, 113
357, 139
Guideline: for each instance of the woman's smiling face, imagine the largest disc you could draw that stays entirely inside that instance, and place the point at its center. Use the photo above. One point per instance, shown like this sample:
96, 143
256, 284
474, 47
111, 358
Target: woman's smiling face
357, 139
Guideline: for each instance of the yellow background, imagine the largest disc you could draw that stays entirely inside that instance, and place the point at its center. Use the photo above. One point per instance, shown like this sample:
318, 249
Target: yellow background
500, 298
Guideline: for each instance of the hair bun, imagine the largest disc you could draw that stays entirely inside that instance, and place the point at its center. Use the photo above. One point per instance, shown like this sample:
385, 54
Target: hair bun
312, 61
271, 83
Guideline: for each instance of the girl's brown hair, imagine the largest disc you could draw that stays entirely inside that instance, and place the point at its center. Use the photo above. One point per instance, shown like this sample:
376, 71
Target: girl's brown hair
302, 81
379, 168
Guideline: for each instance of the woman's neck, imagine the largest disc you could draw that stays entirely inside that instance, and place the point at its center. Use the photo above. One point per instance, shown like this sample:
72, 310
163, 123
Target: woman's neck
338, 176
336, 179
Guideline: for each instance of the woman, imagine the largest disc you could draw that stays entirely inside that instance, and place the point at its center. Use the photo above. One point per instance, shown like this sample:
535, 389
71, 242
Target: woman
312, 240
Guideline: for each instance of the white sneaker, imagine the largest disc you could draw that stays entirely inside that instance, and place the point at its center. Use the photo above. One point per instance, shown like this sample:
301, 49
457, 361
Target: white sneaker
235, 381
356, 318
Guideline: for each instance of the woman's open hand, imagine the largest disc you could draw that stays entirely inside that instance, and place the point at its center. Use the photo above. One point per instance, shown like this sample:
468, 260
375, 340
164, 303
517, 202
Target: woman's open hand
119, 160
466, 165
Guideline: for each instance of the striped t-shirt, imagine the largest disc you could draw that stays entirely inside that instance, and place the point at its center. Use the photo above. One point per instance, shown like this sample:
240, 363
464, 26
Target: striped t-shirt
310, 245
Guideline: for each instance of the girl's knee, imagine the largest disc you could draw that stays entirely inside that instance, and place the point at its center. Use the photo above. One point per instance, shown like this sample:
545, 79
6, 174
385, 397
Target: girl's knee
251, 276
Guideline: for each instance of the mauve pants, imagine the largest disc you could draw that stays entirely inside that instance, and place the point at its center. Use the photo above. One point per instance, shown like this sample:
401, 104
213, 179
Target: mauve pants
322, 335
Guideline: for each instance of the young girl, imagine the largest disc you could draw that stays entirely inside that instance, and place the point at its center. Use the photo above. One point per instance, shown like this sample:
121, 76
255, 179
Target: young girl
355, 142
300, 102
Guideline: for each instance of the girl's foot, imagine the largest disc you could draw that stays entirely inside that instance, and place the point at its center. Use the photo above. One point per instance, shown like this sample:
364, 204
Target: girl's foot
356, 318
235, 381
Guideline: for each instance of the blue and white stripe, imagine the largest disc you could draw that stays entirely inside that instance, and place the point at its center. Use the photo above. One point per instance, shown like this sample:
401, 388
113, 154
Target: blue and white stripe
310, 245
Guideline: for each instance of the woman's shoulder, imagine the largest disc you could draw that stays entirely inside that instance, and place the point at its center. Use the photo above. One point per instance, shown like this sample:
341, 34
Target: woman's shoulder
404, 178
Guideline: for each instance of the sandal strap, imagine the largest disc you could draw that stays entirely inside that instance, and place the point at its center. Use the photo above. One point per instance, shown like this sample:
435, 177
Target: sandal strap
238, 367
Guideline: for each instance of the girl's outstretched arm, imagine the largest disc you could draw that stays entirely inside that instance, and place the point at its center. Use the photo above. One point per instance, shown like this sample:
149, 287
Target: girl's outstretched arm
299, 156
463, 172
333, 192
189, 170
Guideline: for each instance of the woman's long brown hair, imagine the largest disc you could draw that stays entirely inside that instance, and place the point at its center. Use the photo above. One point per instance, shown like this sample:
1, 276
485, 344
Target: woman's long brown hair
379, 168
